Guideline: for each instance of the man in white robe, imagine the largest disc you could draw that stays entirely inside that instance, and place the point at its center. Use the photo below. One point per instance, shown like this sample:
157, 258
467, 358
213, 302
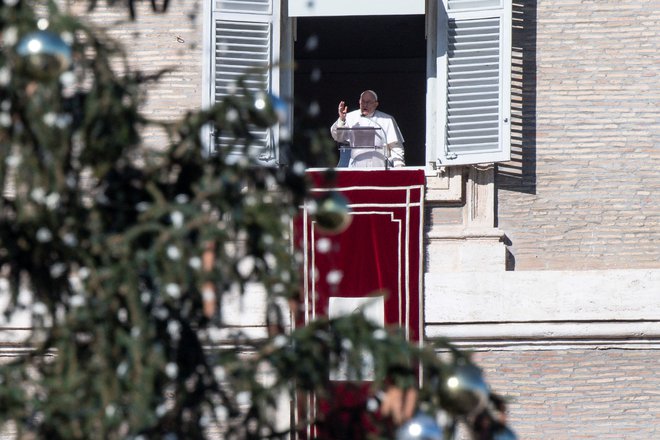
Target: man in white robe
387, 136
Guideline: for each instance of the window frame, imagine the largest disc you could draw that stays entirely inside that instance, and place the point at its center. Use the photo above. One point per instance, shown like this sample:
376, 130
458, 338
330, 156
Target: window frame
305, 8
437, 16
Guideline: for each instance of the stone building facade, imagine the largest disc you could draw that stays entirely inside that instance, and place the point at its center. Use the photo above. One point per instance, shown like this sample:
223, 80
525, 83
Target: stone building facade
547, 265
569, 322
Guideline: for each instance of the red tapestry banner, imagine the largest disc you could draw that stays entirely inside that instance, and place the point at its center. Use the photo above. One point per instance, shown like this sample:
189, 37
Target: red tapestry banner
375, 265
378, 255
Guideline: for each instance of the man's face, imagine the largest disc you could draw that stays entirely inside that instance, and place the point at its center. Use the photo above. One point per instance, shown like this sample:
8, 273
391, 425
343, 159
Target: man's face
368, 104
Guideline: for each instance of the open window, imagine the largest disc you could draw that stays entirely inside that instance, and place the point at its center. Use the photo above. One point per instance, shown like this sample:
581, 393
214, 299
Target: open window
440, 67
339, 57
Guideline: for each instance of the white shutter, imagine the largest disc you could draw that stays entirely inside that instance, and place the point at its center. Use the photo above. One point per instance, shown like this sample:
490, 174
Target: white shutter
245, 45
474, 81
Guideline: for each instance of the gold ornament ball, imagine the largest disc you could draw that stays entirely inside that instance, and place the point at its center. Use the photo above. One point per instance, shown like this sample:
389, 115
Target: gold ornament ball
333, 214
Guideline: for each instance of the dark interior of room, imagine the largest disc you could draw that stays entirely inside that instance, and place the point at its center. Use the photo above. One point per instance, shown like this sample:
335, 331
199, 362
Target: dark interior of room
339, 57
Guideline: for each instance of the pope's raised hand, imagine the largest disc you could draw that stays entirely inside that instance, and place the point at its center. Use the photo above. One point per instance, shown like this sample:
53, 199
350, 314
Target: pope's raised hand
342, 110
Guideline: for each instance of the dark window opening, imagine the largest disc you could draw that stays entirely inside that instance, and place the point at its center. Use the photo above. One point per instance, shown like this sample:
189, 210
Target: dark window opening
339, 57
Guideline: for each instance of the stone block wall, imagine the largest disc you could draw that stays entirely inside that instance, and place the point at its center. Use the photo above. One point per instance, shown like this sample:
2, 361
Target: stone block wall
566, 394
583, 191
157, 41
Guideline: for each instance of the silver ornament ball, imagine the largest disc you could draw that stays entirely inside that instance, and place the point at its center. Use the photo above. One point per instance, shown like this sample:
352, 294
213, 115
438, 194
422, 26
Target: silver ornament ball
44, 55
280, 107
466, 390
268, 109
504, 433
420, 427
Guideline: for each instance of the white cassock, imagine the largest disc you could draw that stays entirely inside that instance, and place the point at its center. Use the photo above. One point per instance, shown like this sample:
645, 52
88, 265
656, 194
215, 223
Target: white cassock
387, 140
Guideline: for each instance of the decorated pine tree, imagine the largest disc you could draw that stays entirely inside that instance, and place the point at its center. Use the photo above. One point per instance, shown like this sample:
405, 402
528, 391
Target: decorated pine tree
123, 258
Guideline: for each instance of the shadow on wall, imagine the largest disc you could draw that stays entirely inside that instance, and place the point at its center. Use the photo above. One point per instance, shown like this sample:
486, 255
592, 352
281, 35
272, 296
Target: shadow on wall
519, 174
